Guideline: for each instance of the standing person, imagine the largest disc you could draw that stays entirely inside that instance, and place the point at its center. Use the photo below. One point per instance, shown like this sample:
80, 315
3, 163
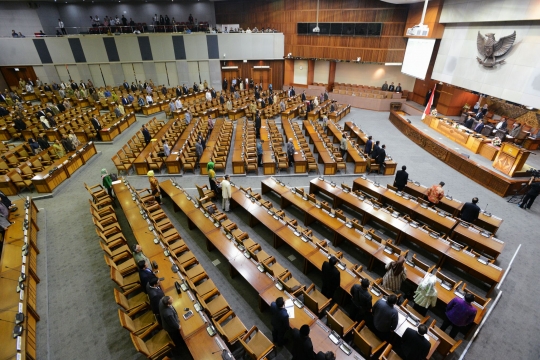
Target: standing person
435, 194
401, 178
343, 146
470, 211
146, 134
302, 347
138, 255
428, 95
361, 300
166, 149
381, 157
155, 294
257, 125
369, 146
531, 195
107, 182
187, 117
210, 126
395, 275
198, 150
330, 277
145, 274
154, 186
259, 152
375, 150
61, 26
170, 321
414, 346
384, 86
280, 321
212, 179
97, 126
290, 152
385, 317
226, 194
459, 314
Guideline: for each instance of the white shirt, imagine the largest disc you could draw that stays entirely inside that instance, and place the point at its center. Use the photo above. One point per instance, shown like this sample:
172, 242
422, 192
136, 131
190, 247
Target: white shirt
178, 104
208, 96
166, 149
29, 88
60, 24
499, 124
248, 31
149, 99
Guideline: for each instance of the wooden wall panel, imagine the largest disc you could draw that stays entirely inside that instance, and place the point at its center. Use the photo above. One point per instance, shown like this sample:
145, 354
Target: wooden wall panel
285, 14
244, 69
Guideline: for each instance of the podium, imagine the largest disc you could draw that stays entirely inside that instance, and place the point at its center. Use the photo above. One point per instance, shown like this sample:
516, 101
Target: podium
510, 159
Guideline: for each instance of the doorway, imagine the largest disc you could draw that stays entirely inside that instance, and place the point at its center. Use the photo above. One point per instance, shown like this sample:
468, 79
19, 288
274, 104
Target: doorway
12, 75
263, 76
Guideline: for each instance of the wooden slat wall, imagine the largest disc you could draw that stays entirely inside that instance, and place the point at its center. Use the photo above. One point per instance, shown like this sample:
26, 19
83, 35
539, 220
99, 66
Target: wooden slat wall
284, 15
244, 69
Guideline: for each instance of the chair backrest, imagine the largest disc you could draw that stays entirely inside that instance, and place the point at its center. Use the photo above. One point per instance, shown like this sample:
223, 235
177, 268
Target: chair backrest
311, 303
361, 343
126, 321
120, 299
117, 277
447, 345
334, 324
140, 346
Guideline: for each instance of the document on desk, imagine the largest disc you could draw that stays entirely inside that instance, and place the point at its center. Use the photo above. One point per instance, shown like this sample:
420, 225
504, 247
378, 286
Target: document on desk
289, 306
402, 319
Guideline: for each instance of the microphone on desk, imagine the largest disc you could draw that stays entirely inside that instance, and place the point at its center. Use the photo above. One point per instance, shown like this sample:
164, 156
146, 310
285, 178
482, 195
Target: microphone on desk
23, 275
17, 330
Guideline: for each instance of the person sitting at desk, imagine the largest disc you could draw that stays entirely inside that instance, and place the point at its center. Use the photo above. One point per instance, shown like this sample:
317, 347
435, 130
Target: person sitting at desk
470, 211
149, 99
516, 130
501, 125
478, 129
469, 122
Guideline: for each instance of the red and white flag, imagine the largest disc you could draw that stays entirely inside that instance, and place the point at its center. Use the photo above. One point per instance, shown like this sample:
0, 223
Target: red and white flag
427, 111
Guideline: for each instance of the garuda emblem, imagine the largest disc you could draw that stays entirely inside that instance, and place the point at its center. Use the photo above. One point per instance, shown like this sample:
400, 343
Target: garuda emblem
490, 49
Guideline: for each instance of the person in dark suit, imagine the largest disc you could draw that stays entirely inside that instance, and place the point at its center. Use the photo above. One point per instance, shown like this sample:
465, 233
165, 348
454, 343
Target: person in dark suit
398, 87
185, 89
361, 301
133, 87
146, 134
414, 346
46, 88
369, 146
385, 317
401, 178
303, 96
280, 321
470, 211
330, 277
478, 129
155, 294
170, 321
375, 150
325, 356
2, 98
126, 85
74, 86
469, 122
213, 93
19, 124
531, 195
302, 346
96, 125
428, 95
225, 84
391, 87
257, 125
381, 156
145, 274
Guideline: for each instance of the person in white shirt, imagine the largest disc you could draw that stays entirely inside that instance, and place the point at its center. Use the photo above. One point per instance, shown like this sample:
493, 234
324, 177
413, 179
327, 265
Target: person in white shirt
248, 31
178, 104
166, 149
208, 96
149, 99
96, 19
63, 86
29, 88
38, 82
187, 117
61, 26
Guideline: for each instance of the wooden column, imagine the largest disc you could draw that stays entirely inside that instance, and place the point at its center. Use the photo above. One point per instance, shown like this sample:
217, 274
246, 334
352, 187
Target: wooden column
331, 76
289, 72
311, 72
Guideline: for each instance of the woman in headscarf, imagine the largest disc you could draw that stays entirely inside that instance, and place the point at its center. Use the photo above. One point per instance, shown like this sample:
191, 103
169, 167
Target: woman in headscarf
476, 107
44, 122
58, 149
154, 186
425, 295
107, 182
395, 275
74, 140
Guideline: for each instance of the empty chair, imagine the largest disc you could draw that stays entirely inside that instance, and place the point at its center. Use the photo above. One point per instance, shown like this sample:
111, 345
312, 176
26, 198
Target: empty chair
133, 304
389, 354
273, 267
214, 303
154, 348
256, 344
366, 341
230, 327
128, 283
290, 284
447, 345
315, 300
141, 325
339, 321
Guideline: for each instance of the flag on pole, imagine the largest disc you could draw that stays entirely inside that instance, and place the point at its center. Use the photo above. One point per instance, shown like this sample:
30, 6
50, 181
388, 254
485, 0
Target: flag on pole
427, 111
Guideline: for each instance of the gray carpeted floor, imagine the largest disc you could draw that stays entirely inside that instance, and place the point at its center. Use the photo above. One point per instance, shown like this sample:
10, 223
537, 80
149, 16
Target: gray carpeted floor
75, 297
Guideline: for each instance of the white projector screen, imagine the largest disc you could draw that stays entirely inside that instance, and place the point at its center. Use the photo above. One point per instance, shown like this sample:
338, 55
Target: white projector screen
417, 56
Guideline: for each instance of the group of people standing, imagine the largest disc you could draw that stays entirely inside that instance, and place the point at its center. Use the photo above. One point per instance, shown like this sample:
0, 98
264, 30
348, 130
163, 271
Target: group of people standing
376, 152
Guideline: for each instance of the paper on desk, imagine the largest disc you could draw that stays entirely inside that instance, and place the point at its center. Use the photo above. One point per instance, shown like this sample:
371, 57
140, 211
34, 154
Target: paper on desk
401, 321
289, 306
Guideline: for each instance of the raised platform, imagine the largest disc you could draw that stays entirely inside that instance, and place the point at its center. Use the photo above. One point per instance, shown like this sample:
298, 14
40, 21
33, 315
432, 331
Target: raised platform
477, 169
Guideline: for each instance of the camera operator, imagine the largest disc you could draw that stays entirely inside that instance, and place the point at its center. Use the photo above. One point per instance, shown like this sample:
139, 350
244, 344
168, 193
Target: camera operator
534, 190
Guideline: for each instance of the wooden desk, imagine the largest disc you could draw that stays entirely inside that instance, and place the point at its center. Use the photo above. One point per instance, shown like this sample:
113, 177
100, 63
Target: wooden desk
210, 144
353, 154
300, 162
11, 302
480, 243
173, 160
325, 155
356, 133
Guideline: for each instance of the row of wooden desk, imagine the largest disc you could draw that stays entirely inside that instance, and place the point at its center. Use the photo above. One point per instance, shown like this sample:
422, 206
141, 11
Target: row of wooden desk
445, 251
13, 263
140, 163
263, 283
109, 133
173, 163
193, 330
453, 206
313, 254
300, 161
59, 171
325, 155
212, 142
